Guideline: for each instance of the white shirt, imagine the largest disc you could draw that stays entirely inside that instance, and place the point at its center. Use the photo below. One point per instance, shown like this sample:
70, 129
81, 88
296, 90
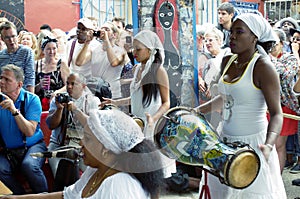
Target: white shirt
102, 68
86, 68
118, 186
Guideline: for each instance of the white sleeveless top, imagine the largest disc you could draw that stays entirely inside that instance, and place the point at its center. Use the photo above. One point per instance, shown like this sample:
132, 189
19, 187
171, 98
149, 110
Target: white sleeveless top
137, 109
244, 106
136, 94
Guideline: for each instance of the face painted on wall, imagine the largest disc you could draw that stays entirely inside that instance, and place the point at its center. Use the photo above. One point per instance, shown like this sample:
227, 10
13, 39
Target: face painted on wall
166, 15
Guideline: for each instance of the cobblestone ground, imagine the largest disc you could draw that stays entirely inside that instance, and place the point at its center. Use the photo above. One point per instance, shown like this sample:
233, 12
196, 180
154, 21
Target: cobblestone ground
291, 190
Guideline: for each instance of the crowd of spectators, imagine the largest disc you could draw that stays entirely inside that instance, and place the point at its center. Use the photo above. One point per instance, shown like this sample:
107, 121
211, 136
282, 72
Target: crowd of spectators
94, 65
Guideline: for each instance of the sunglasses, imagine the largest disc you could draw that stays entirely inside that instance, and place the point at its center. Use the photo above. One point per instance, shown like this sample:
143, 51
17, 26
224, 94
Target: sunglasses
296, 38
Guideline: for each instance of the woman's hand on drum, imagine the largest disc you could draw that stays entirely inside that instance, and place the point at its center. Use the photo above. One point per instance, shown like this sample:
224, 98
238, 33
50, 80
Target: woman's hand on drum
106, 101
150, 121
149, 128
266, 150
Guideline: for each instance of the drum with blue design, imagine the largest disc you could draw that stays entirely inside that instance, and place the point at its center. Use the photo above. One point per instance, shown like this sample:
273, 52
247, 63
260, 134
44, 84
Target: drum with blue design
187, 137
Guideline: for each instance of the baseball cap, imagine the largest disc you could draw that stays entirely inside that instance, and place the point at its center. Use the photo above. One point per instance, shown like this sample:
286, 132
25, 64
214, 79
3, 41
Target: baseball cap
86, 22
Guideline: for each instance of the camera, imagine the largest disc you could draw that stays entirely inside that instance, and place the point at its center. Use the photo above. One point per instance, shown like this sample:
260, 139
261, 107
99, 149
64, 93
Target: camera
63, 97
96, 33
128, 39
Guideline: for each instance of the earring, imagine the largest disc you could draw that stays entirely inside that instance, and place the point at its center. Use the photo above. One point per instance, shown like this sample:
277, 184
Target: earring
104, 154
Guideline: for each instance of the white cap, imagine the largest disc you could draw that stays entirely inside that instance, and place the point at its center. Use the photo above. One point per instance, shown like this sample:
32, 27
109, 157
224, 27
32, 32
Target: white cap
86, 22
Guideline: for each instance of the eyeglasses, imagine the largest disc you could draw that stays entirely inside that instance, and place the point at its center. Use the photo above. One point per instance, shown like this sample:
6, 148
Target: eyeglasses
296, 38
209, 40
273, 47
7, 38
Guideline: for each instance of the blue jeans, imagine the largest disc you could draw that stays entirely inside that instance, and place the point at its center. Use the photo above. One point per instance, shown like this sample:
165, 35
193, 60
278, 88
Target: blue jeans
31, 168
292, 143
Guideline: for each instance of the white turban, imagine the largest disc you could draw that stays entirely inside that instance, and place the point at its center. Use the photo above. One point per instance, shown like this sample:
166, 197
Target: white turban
151, 41
117, 131
259, 26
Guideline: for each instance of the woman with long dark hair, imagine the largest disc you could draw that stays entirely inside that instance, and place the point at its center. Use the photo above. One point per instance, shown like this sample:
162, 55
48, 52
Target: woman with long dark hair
149, 89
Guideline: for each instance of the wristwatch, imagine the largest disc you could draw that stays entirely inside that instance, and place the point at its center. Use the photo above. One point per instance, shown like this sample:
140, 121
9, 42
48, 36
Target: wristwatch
16, 113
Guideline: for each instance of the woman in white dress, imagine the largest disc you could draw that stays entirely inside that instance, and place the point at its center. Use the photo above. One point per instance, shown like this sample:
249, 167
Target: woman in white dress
249, 85
149, 89
122, 164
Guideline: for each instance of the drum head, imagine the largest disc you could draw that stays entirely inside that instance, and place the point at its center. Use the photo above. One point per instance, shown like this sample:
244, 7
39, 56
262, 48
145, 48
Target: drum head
181, 134
242, 169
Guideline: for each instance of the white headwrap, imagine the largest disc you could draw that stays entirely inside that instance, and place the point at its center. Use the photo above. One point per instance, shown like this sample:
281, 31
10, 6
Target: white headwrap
260, 28
151, 41
117, 131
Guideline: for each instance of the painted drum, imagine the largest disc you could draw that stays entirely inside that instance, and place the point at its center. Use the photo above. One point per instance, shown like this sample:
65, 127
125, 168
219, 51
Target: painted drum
187, 137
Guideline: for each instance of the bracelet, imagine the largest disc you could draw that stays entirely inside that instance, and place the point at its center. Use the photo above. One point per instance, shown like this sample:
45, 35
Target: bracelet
273, 132
270, 146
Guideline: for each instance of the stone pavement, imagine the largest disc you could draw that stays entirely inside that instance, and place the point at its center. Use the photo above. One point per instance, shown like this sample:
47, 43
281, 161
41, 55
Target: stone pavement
291, 190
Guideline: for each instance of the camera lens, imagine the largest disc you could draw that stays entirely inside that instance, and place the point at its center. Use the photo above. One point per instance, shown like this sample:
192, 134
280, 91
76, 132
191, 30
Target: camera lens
63, 98
96, 33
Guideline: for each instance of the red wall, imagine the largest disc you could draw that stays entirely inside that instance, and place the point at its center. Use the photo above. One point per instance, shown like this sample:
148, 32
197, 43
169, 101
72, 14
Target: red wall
61, 14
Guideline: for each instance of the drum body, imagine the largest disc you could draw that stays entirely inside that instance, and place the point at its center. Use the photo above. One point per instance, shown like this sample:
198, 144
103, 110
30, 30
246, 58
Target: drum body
190, 139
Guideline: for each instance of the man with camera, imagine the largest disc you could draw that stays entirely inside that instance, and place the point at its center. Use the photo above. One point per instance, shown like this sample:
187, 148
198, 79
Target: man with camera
107, 59
20, 133
74, 46
66, 129
86, 28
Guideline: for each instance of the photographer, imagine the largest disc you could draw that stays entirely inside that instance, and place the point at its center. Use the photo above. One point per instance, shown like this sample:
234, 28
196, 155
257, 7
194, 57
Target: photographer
74, 46
20, 133
107, 60
66, 129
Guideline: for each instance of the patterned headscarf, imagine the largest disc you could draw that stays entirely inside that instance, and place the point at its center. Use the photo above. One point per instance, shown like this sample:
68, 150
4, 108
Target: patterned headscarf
117, 131
47, 40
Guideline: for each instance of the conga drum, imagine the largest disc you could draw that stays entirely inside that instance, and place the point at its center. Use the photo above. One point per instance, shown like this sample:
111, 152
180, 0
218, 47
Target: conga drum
187, 136
138, 120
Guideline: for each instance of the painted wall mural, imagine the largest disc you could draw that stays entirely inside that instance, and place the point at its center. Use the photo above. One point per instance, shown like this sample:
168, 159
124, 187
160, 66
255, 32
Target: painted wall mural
172, 20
